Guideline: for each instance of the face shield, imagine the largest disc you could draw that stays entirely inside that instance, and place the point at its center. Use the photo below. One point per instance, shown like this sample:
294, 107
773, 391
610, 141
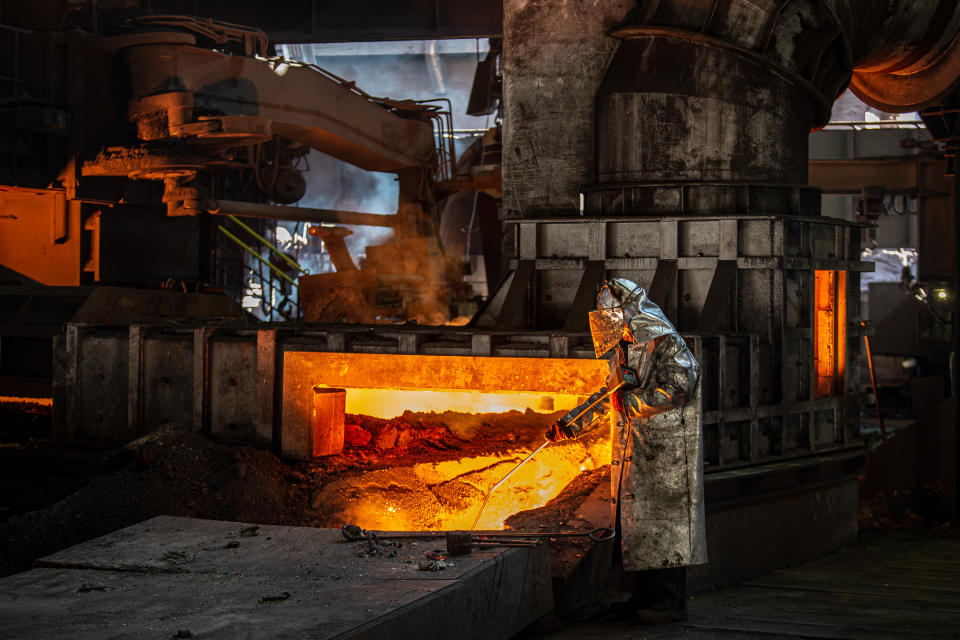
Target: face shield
606, 326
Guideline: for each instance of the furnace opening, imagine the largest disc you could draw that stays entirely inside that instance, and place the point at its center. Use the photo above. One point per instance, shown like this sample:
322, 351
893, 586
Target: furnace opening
424, 459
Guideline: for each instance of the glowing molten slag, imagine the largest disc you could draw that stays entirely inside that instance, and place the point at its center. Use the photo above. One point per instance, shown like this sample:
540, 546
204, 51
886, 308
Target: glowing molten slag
389, 403
447, 494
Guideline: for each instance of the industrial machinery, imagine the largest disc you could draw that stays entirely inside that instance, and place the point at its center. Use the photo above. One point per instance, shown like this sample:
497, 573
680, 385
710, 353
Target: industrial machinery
663, 141
194, 114
133, 147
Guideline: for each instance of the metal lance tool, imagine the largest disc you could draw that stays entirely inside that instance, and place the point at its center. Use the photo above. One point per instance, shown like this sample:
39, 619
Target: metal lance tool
460, 543
590, 406
353, 533
504, 479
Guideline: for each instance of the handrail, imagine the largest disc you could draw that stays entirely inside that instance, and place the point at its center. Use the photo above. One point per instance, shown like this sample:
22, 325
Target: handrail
256, 255
266, 243
272, 280
266, 301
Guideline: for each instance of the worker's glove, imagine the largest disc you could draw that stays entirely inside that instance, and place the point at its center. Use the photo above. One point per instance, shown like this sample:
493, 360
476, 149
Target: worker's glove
559, 431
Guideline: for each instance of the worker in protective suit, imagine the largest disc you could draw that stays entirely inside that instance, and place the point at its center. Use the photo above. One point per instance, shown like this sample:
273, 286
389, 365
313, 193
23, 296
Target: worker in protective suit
657, 462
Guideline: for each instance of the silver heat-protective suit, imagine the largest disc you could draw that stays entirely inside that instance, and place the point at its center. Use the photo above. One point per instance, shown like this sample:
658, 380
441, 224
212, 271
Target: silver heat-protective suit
657, 461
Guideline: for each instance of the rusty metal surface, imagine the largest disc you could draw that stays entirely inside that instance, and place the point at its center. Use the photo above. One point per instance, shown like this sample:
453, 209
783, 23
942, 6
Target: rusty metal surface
922, 176
691, 134
41, 236
737, 57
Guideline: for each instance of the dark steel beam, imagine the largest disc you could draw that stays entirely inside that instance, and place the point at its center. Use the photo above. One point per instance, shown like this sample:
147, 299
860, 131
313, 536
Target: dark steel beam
921, 177
362, 20
903, 174
300, 214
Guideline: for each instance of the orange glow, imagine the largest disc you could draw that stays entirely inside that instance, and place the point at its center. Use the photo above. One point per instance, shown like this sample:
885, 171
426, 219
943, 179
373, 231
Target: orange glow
445, 373
390, 403
386, 385
830, 332
44, 402
447, 494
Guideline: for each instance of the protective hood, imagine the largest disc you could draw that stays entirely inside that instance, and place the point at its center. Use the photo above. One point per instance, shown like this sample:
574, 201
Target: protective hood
644, 319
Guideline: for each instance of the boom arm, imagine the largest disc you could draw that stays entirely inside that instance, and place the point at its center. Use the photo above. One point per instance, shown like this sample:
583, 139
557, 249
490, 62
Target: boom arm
299, 102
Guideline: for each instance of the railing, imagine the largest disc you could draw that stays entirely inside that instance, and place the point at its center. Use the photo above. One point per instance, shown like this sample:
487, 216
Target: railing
275, 288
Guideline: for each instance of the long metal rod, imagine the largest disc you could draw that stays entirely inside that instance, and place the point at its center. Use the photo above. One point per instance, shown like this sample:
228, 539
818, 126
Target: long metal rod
504, 479
954, 373
873, 383
300, 214
267, 243
353, 533
256, 255
486, 498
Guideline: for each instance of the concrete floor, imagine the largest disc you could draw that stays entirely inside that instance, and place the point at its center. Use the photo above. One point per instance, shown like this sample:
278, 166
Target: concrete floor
221, 579
182, 577
889, 585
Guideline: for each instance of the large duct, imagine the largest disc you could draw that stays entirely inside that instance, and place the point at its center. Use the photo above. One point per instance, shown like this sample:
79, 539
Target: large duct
700, 90
724, 93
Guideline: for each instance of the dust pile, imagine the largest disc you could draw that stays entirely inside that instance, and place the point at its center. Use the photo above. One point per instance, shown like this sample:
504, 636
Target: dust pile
170, 472
179, 473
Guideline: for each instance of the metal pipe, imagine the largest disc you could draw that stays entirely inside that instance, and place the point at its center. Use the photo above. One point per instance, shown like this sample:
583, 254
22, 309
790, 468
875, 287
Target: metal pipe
299, 214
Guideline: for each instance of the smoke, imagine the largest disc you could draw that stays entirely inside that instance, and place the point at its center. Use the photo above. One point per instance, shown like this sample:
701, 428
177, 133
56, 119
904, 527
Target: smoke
418, 70
849, 108
333, 184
